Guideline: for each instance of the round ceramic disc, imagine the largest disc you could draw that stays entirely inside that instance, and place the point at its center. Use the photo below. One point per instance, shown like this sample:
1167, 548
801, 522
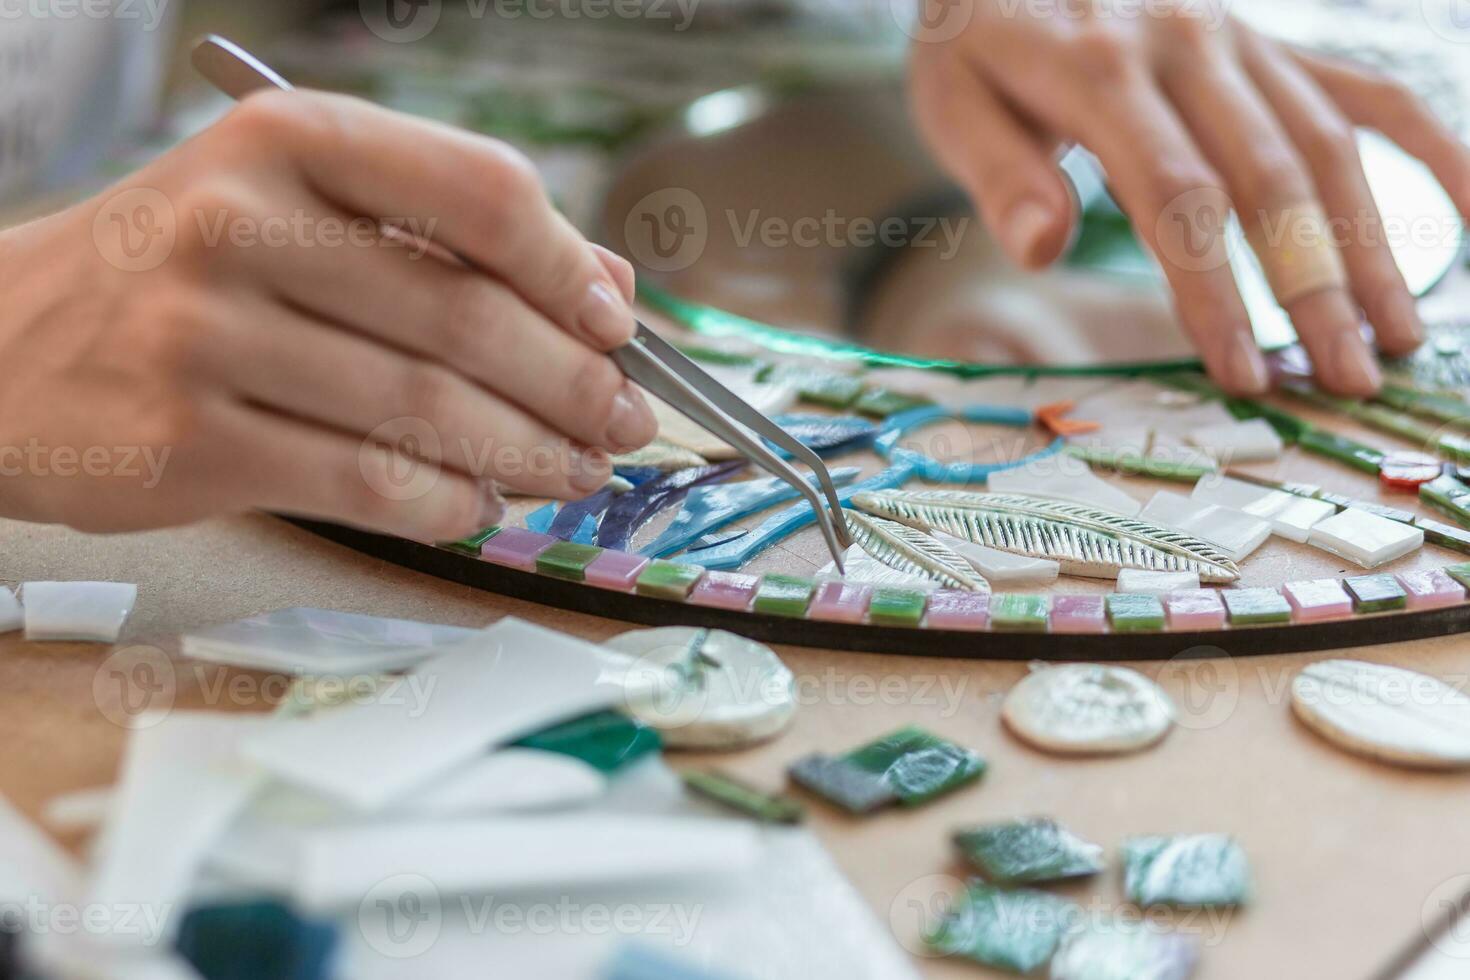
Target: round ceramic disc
1088, 709
737, 692
1387, 713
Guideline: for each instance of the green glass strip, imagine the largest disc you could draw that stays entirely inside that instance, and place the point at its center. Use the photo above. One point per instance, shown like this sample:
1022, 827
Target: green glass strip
1287, 426
835, 391
1024, 852
1449, 496
715, 322
744, 798
1342, 449
471, 545
567, 560
1444, 535
917, 765
1440, 407
606, 740
1189, 870
1375, 593
1136, 464
1460, 573
1254, 607
783, 595
1382, 510
881, 403
713, 355
1010, 930
897, 607
1015, 611
668, 580
1134, 613
1385, 419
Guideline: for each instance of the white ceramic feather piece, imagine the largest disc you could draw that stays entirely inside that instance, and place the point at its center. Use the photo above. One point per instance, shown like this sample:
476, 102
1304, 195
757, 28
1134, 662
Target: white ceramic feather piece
908, 549
1084, 540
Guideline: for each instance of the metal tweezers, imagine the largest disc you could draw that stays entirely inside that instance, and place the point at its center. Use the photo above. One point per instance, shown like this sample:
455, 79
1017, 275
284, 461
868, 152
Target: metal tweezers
648, 359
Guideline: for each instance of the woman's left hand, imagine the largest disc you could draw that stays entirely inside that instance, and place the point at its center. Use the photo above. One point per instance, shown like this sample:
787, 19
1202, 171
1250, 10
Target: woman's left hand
1192, 115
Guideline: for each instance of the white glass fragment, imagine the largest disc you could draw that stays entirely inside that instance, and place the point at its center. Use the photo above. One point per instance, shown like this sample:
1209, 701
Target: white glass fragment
1365, 539
92, 611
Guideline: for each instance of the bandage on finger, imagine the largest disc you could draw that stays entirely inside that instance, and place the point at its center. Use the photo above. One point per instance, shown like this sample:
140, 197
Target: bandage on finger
1297, 251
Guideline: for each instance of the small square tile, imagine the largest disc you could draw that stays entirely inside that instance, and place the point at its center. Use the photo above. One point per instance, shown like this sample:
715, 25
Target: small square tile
958, 609
1318, 599
1254, 607
668, 580
840, 602
1016, 611
616, 570
1460, 573
1290, 516
1186, 870
784, 595
1376, 593
1444, 535
472, 544
1252, 440
1231, 531
1135, 613
567, 560
897, 607
1015, 930
516, 547
1365, 539
1200, 609
1078, 614
725, 590
1430, 588
1148, 582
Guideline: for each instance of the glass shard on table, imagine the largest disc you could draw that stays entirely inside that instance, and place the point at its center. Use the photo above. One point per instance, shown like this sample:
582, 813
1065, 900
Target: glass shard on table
1189, 870
1121, 950
605, 740
743, 797
1028, 851
1013, 930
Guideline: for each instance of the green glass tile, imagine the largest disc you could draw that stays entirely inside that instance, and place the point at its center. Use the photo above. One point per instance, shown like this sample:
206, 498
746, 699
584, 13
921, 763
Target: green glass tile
1012, 930
743, 797
1106, 948
827, 388
1287, 426
1449, 496
1443, 408
1137, 464
1131, 613
1375, 593
843, 784
606, 740
471, 545
1027, 851
1343, 503
881, 403
1444, 535
1460, 573
1015, 611
897, 607
1252, 607
713, 355
567, 560
1342, 449
668, 579
917, 764
1192, 870
783, 595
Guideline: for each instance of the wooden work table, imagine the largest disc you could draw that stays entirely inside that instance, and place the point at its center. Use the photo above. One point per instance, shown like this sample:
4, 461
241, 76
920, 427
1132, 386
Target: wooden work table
1349, 856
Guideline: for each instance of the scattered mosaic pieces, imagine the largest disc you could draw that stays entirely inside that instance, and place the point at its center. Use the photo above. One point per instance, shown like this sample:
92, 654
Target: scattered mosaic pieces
1013, 930
1118, 950
742, 797
1189, 870
605, 740
1239, 442
1025, 852
909, 766
1088, 709
1386, 713
1234, 533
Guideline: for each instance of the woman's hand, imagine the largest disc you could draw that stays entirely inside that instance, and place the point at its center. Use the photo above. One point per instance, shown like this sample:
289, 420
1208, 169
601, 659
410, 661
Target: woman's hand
228, 329
1192, 114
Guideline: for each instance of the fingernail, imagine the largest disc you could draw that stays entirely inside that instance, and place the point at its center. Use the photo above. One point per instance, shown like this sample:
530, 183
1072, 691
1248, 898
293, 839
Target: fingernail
1025, 225
590, 469
631, 423
492, 507
1357, 368
1245, 368
605, 318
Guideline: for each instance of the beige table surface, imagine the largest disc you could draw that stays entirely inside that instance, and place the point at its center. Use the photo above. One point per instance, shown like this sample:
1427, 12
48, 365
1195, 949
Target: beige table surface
1347, 854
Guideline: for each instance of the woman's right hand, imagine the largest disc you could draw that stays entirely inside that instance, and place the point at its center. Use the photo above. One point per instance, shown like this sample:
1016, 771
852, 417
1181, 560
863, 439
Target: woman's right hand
227, 329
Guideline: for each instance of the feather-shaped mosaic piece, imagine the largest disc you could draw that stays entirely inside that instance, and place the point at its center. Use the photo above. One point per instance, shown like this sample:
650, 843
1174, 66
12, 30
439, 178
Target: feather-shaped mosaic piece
907, 549
659, 454
1084, 540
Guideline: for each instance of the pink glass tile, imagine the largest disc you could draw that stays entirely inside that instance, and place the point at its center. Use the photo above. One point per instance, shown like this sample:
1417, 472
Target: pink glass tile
1321, 598
725, 590
840, 602
1078, 614
617, 570
516, 547
1195, 609
1430, 588
958, 609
